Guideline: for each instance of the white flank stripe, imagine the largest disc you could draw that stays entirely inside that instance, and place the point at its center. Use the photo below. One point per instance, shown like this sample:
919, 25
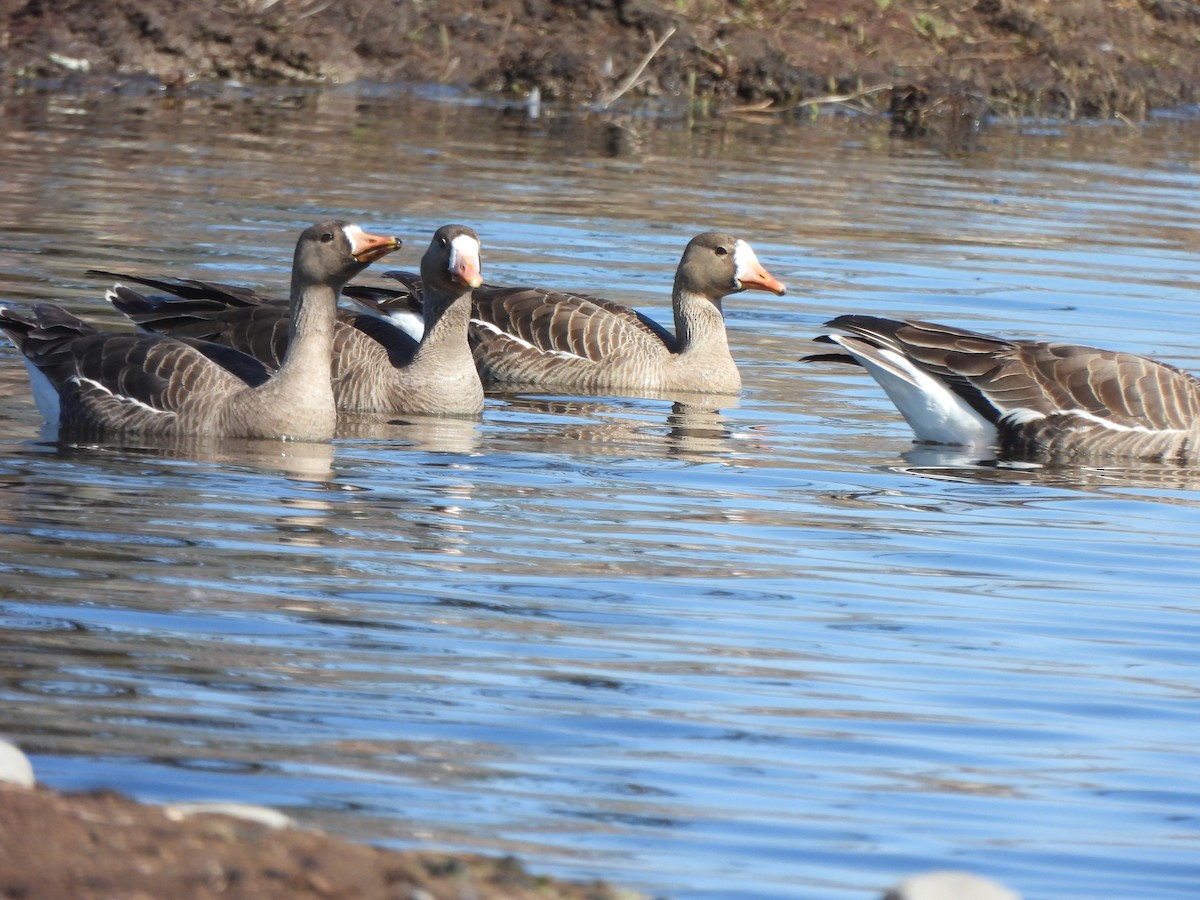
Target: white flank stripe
1115, 426
489, 326
123, 398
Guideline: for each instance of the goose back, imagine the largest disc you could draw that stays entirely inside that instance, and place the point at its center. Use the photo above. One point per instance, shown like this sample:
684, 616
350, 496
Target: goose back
540, 337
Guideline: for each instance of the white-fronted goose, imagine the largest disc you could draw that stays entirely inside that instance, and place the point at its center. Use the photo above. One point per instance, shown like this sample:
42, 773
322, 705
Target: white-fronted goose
546, 339
135, 383
376, 367
1029, 399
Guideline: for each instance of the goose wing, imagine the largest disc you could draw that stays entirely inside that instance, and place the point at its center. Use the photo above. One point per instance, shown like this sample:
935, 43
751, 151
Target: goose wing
528, 321
537, 320
118, 380
258, 329
402, 308
246, 321
226, 295
1123, 389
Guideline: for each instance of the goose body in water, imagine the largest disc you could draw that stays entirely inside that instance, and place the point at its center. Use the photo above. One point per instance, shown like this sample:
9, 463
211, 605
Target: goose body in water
376, 367
1029, 399
543, 339
133, 383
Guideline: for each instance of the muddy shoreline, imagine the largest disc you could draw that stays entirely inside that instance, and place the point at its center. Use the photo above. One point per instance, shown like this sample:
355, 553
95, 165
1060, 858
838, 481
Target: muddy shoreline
100, 844
916, 58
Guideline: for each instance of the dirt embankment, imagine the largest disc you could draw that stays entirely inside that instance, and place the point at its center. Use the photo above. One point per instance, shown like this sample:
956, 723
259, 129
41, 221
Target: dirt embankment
104, 845
1060, 57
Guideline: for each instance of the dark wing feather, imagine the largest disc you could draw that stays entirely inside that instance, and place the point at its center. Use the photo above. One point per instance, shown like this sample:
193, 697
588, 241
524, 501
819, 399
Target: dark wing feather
410, 286
352, 328
385, 301
193, 289
251, 324
18, 328
259, 330
249, 369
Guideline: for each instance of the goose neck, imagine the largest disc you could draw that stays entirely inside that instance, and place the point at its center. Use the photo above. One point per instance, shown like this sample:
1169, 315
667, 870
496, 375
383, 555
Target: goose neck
699, 323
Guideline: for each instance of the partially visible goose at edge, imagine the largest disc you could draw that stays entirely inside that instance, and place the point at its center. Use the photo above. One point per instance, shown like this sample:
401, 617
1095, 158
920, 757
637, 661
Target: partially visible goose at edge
134, 383
376, 367
537, 338
1029, 399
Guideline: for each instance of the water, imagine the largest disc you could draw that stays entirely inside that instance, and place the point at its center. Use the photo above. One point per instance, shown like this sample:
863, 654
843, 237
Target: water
766, 650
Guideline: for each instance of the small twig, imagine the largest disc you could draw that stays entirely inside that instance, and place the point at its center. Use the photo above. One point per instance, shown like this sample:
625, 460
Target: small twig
763, 106
846, 98
766, 107
637, 73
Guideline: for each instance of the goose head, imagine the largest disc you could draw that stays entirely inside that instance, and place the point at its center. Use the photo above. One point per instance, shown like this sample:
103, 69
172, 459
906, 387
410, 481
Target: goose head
333, 252
451, 264
715, 265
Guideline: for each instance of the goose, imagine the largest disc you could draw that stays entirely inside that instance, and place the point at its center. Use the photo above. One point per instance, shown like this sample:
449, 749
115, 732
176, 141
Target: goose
1027, 398
536, 338
148, 384
376, 367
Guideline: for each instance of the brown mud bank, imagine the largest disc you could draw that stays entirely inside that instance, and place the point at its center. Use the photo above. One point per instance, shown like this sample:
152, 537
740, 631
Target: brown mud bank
103, 845
1072, 58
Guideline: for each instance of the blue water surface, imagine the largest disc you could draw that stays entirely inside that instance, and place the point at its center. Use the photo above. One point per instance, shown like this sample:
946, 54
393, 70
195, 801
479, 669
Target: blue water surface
764, 649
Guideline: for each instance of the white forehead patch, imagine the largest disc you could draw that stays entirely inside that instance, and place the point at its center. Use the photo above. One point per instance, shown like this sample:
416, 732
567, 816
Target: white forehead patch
744, 261
464, 245
354, 234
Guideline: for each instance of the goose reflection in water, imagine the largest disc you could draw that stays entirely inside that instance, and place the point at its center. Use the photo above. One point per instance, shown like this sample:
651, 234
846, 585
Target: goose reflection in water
694, 429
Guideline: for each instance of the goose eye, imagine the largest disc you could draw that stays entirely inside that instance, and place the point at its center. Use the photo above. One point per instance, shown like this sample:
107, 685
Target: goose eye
327, 237
722, 251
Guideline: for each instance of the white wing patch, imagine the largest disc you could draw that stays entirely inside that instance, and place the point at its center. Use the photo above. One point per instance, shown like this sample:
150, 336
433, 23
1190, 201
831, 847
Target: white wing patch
411, 323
